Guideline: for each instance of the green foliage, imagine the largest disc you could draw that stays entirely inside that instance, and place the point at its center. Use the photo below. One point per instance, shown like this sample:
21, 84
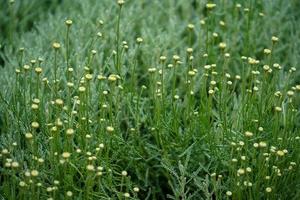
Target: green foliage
150, 100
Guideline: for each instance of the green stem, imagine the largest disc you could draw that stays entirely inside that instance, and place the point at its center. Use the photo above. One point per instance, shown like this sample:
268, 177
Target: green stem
118, 41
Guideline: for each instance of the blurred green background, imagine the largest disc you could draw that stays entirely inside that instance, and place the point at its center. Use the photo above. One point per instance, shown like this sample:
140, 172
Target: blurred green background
157, 19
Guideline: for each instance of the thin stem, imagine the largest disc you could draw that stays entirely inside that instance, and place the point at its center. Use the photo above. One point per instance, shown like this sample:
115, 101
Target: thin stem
118, 41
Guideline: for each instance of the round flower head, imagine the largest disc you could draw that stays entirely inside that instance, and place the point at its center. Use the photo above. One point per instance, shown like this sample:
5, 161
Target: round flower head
66, 155
189, 50
26, 67
252, 61
266, 67
35, 125
59, 102
101, 22
112, 78
22, 184
5, 151
290, 93
191, 26
213, 82
162, 58
280, 153
69, 193
56, 182
110, 129
38, 70
88, 136
89, 77
124, 173
68, 22
56, 45
192, 73
121, 2
222, 45
139, 40
105, 92
81, 89
101, 77
90, 167
70, 131
275, 39
210, 5
15, 164
211, 92
277, 66
248, 134
278, 109
229, 193
94, 51
227, 55
240, 171
268, 189
262, 144
267, 51
28, 136
207, 67
176, 57
34, 173
99, 34
152, 70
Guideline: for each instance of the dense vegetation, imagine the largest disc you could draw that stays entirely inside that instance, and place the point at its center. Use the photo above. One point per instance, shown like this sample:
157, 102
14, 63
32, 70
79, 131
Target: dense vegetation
160, 99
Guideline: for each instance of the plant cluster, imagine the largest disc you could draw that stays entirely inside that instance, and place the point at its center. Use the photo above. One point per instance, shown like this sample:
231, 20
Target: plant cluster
102, 117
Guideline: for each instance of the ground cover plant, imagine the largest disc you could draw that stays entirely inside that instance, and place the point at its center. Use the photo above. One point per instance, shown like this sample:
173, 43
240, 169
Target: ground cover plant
150, 100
